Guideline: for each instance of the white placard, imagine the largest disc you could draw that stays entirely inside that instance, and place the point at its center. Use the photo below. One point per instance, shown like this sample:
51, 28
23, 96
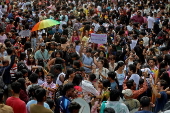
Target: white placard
25, 33
98, 38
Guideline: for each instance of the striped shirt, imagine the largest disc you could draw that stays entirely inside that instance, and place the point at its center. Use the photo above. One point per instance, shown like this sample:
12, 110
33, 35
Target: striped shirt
52, 86
13, 70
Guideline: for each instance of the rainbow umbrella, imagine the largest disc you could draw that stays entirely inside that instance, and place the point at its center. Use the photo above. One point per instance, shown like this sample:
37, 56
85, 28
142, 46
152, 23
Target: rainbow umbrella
44, 24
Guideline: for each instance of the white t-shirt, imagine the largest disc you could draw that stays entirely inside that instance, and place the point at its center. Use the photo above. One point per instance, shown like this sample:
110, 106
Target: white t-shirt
145, 41
136, 79
96, 26
58, 79
129, 28
99, 8
133, 44
151, 21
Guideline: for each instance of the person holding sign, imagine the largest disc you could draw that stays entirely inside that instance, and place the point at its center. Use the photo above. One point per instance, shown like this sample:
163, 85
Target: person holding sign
86, 38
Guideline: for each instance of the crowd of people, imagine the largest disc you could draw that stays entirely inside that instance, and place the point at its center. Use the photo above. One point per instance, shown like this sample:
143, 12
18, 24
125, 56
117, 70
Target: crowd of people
44, 71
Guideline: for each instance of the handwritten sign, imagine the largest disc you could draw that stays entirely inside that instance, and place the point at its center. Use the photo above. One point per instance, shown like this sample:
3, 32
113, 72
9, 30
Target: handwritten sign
25, 33
98, 38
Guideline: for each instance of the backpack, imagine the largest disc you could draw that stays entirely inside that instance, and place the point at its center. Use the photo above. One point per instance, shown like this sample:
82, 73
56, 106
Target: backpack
2, 84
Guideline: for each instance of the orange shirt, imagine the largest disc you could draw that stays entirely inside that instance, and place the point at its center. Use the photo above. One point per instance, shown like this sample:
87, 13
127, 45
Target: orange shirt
136, 93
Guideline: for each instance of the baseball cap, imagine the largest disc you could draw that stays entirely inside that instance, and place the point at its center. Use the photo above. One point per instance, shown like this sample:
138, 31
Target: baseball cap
127, 92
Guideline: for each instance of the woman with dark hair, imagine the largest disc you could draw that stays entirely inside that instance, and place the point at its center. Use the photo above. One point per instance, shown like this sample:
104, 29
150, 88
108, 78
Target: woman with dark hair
41, 76
77, 80
30, 62
119, 70
18, 75
23, 94
101, 72
64, 43
18, 46
56, 54
70, 28
104, 86
22, 57
138, 68
69, 76
74, 37
165, 76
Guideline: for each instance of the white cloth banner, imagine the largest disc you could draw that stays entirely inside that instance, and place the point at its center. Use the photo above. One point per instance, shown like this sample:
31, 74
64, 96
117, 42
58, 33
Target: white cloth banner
98, 38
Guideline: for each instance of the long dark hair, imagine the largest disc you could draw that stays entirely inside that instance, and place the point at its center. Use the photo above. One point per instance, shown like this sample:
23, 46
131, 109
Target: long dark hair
40, 70
77, 80
69, 72
22, 82
28, 61
165, 76
119, 64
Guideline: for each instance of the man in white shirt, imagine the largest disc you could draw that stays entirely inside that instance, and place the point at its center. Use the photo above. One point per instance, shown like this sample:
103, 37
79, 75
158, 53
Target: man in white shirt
130, 26
88, 88
95, 24
134, 76
151, 21
145, 39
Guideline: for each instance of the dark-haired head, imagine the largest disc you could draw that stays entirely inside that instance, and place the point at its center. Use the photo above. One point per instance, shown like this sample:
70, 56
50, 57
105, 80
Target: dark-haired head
31, 91
18, 75
77, 79
22, 82
33, 78
40, 72
49, 78
131, 84
40, 95
92, 77
145, 101
63, 40
74, 107
68, 89
22, 56
165, 76
50, 102
109, 110
105, 83
58, 68
69, 72
114, 95
120, 64
132, 68
16, 87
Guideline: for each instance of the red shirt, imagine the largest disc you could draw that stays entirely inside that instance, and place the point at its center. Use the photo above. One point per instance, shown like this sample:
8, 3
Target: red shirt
17, 104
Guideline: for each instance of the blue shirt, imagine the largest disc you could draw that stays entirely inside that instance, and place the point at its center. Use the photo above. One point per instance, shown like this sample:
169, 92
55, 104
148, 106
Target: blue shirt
64, 103
35, 102
10, 16
121, 78
160, 102
87, 61
54, 30
43, 55
6, 69
113, 85
66, 18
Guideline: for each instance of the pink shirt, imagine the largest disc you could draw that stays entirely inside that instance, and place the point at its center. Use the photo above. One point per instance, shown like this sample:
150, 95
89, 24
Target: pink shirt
52, 86
3, 38
75, 38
